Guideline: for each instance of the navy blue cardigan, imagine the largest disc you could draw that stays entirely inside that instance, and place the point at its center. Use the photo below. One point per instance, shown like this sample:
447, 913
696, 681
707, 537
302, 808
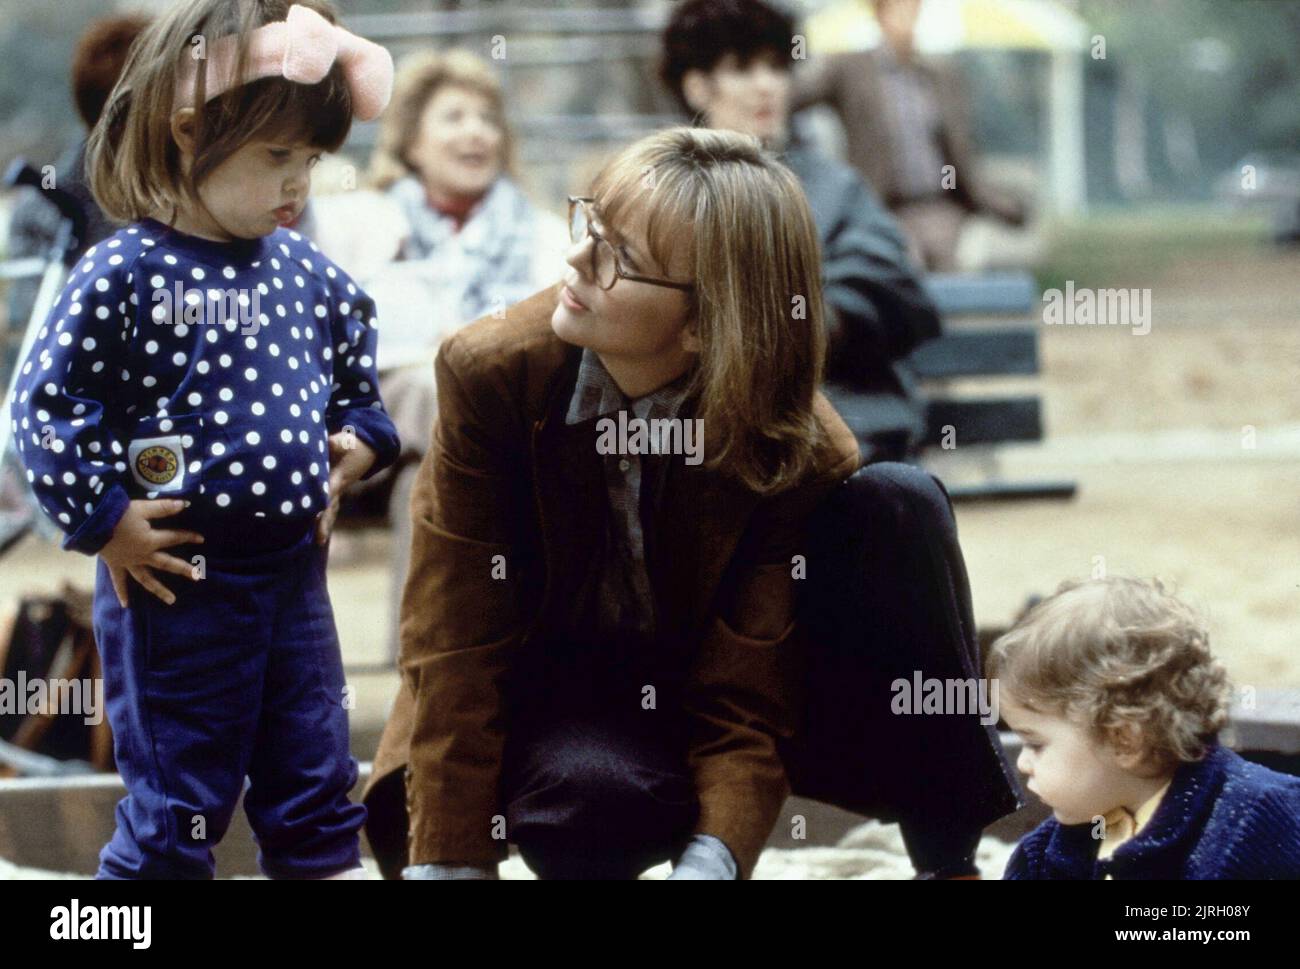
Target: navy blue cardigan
1222, 817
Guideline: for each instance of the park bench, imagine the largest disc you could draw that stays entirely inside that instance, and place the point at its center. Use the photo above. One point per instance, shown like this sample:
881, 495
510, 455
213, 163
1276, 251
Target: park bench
990, 331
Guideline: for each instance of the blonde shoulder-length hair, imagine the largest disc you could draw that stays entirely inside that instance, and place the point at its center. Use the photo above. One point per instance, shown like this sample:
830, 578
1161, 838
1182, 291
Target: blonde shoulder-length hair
419, 77
757, 304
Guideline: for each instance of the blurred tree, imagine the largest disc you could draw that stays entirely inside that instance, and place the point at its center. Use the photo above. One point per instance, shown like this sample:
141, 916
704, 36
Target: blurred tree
1196, 84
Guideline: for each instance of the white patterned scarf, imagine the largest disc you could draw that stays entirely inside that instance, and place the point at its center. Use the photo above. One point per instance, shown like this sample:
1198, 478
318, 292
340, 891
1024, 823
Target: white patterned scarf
495, 247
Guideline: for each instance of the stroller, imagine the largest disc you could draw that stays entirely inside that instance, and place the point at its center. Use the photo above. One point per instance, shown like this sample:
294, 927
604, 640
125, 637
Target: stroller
18, 513
47, 636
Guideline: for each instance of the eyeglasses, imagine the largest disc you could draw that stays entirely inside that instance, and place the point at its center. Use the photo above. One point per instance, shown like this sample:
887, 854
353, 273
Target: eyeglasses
606, 268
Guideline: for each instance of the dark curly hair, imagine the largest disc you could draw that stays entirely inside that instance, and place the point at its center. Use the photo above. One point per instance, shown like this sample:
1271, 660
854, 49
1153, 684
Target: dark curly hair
701, 32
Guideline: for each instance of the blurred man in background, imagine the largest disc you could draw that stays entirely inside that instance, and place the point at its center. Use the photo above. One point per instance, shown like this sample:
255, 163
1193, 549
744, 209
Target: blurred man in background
904, 120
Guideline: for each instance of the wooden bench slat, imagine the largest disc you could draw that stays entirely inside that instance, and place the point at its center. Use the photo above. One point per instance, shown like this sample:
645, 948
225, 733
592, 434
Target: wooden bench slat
989, 294
998, 490
978, 353
985, 421
864, 413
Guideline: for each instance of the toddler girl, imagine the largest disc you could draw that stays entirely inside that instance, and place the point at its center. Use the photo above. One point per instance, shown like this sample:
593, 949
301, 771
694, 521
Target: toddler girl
199, 396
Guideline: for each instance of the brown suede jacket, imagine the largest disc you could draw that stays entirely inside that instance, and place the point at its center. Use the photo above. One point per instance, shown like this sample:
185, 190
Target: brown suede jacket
507, 477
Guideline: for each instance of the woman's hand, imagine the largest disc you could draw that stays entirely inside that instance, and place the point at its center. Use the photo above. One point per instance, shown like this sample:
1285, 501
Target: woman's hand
450, 872
136, 547
705, 858
350, 458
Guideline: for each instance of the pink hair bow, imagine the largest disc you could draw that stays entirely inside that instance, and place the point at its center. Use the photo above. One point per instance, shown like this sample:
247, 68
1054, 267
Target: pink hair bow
302, 48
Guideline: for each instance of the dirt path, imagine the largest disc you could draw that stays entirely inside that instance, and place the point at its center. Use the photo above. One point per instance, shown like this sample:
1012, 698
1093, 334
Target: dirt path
1186, 446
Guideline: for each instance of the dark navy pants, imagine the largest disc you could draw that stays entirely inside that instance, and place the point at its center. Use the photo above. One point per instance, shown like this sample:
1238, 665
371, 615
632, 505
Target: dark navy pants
592, 784
596, 786
887, 597
240, 678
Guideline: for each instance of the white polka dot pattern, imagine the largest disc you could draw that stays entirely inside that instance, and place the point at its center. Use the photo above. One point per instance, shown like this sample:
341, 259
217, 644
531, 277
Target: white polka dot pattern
255, 378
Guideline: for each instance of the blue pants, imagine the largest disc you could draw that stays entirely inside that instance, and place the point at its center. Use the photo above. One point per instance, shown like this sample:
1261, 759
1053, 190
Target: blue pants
240, 677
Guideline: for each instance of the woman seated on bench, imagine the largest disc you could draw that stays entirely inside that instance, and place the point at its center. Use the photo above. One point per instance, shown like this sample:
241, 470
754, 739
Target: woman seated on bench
599, 647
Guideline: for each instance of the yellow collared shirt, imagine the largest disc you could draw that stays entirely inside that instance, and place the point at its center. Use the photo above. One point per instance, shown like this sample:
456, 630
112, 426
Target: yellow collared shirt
1121, 825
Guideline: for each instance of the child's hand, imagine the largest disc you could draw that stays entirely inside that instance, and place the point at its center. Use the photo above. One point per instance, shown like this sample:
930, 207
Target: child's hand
136, 546
350, 458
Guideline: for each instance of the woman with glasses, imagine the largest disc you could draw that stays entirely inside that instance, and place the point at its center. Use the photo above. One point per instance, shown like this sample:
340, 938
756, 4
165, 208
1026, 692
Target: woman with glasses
598, 645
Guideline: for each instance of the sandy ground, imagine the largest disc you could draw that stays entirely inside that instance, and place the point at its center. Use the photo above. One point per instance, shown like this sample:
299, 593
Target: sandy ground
1155, 430
870, 851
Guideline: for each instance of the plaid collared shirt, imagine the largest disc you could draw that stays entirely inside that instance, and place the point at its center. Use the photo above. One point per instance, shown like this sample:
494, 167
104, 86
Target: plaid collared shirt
626, 602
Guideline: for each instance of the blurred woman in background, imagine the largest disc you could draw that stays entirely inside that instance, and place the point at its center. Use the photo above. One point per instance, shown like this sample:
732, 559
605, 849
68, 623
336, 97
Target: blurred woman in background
445, 155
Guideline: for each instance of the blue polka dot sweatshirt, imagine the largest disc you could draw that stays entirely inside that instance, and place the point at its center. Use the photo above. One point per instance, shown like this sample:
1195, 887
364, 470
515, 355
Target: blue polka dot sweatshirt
174, 366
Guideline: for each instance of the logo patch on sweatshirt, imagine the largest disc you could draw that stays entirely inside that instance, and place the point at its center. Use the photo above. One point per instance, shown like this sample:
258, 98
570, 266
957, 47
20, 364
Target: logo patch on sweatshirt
158, 463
